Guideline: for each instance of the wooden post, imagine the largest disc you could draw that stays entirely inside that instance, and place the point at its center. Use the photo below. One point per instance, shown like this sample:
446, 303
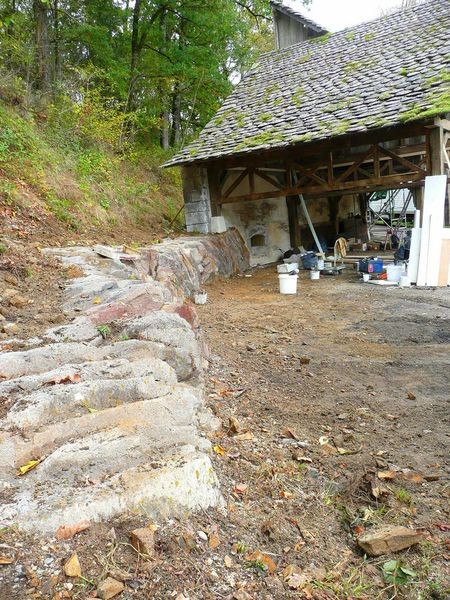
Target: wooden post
294, 226
436, 150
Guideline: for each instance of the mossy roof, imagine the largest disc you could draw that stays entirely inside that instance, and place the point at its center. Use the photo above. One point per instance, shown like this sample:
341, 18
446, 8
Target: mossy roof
382, 73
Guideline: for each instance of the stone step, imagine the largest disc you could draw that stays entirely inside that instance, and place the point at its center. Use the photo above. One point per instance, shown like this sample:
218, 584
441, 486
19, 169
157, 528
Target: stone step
92, 372
158, 416
47, 358
58, 403
172, 486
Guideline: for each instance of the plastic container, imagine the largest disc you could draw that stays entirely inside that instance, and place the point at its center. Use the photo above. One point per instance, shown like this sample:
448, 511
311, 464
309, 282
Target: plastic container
404, 281
200, 297
288, 283
394, 272
315, 275
320, 264
366, 277
370, 266
287, 267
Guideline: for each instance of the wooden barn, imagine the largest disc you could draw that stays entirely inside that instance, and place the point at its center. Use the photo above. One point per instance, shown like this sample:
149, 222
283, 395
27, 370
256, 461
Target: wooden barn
331, 116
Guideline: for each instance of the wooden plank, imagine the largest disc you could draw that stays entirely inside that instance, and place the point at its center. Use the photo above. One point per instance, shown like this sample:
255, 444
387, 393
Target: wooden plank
444, 264
355, 187
330, 171
436, 138
376, 161
432, 225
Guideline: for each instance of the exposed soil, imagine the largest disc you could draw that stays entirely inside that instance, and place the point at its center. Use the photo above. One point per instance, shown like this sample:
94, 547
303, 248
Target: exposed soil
38, 278
337, 400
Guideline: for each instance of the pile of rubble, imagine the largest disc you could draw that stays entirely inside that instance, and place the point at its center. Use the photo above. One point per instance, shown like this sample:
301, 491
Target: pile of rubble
104, 414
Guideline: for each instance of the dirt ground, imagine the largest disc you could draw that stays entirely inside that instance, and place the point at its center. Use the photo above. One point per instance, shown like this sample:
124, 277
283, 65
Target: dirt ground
333, 410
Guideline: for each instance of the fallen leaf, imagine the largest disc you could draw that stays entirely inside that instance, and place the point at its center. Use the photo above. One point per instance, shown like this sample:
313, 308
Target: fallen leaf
228, 561
5, 560
32, 464
248, 435
413, 477
347, 451
65, 532
72, 378
287, 495
72, 567
219, 450
97, 300
213, 541
234, 425
442, 526
240, 489
259, 556
411, 396
359, 529
386, 474
289, 433
378, 491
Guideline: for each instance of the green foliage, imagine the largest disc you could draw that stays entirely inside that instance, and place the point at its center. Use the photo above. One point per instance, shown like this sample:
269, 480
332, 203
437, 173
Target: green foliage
396, 573
104, 331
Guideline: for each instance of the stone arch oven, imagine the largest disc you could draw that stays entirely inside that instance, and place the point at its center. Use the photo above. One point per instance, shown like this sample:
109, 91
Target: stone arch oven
257, 238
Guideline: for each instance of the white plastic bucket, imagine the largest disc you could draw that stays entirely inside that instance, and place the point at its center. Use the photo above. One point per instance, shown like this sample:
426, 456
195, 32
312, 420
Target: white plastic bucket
366, 277
288, 283
404, 281
315, 275
394, 272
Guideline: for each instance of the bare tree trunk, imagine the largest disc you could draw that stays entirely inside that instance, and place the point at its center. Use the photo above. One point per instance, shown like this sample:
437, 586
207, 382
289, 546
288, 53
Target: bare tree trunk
165, 130
57, 56
176, 116
41, 45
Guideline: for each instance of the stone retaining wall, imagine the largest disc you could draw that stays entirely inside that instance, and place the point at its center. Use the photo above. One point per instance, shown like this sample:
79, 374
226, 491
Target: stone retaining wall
111, 403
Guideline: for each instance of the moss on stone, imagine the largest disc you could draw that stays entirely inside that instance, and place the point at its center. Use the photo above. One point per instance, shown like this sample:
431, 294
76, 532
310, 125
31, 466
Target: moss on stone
297, 97
305, 137
323, 39
384, 95
350, 36
403, 71
261, 139
265, 117
303, 59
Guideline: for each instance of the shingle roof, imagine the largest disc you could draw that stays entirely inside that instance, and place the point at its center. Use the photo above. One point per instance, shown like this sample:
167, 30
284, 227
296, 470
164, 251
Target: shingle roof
382, 73
288, 8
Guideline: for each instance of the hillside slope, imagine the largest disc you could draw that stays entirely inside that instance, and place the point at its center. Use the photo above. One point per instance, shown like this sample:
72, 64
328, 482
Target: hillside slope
61, 179
62, 183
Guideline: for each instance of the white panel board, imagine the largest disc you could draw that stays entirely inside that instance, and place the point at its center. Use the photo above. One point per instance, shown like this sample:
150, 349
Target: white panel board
432, 223
414, 252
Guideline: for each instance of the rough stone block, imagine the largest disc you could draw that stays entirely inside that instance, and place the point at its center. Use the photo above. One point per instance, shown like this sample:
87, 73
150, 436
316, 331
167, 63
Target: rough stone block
388, 539
143, 540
